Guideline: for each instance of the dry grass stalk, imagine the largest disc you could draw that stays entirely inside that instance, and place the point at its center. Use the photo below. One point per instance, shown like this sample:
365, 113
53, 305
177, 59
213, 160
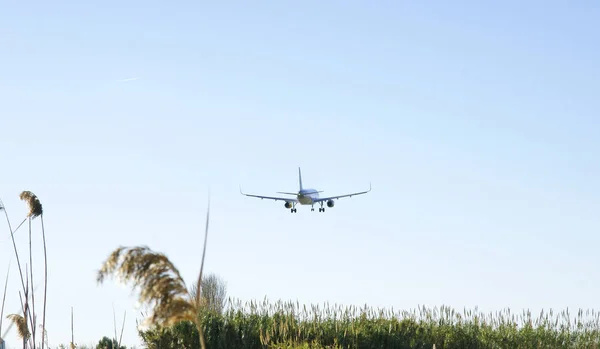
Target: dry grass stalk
72, 344
21, 320
34, 318
198, 297
45, 276
3, 301
122, 329
118, 339
36, 210
26, 309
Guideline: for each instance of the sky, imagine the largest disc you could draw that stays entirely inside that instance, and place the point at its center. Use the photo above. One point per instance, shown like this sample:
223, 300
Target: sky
477, 125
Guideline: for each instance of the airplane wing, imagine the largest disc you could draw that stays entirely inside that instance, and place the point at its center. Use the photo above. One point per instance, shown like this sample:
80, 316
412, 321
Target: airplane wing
269, 197
343, 196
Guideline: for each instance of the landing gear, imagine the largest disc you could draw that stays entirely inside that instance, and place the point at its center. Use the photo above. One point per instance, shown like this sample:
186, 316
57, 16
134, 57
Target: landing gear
321, 209
293, 209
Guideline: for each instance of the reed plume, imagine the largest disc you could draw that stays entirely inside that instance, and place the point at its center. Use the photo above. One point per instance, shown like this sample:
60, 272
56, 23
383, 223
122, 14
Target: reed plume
20, 322
35, 206
160, 283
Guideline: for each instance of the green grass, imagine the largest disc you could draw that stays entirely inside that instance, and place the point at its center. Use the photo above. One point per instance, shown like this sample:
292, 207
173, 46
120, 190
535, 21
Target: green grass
289, 325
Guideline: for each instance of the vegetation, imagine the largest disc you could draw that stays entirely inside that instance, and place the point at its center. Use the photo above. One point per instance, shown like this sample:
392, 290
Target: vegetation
198, 316
288, 325
214, 291
107, 343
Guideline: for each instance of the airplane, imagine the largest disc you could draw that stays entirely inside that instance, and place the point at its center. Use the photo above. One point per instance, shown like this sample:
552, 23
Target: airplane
306, 197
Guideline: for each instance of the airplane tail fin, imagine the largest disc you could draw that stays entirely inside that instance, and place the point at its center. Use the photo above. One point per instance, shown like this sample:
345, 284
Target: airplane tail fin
300, 178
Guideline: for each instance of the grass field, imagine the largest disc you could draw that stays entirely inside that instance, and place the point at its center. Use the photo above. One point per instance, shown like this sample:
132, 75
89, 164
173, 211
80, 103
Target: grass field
288, 325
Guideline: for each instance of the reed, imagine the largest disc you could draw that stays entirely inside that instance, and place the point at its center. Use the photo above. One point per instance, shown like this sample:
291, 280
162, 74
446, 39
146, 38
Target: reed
117, 340
12, 235
161, 285
72, 343
3, 301
280, 324
35, 210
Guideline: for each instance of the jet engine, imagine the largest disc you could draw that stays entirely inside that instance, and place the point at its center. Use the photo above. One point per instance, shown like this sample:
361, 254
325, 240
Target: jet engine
330, 203
288, 204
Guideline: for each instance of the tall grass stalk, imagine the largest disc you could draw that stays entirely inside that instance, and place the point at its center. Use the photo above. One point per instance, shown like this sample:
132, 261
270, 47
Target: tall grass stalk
35, 210
199, 283
122, 328
21, 321
118, 339
26, 309
34, 318
3, 301
45, 275
114, 323
3, 208
72, 344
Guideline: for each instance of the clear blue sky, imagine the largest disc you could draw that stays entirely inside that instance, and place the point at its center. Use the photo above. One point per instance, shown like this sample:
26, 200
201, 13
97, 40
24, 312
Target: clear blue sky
477, 125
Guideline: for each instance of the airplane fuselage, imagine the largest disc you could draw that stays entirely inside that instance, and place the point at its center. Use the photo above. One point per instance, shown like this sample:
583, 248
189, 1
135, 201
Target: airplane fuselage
307, 196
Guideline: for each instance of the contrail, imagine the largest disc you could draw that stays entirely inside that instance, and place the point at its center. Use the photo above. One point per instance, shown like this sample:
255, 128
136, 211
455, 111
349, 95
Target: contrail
128, 79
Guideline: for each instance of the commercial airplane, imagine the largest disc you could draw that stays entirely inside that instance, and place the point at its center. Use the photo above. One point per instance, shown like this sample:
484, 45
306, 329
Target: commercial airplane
306, 197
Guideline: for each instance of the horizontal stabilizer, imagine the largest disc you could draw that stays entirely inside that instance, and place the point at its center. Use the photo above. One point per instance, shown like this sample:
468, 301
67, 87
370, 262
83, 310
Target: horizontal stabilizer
282, 192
